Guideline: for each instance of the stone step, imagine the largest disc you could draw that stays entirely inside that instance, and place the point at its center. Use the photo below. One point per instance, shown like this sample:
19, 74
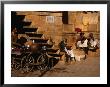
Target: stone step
38, 37
25, 23
31, 26
14, 15
26, 30
19, 26
46, 44
50, 50
34, 35
40, 40
20, 17
55, 55
16, 19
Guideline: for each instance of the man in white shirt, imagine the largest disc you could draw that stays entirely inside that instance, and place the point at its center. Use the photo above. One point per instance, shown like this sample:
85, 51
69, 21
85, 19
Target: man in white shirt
69, 54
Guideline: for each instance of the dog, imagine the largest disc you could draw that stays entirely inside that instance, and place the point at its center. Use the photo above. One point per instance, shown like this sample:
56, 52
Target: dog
79, 57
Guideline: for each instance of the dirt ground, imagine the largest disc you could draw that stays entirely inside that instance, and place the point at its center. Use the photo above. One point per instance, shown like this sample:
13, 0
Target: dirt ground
89, 67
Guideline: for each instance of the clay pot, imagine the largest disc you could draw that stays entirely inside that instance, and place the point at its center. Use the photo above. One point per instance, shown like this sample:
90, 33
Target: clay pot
35, 48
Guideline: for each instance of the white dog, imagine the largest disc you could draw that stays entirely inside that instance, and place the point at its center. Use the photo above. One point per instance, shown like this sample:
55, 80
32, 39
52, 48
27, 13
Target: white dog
79, 57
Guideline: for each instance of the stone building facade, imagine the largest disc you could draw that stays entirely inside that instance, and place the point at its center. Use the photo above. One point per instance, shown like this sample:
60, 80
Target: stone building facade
59, 25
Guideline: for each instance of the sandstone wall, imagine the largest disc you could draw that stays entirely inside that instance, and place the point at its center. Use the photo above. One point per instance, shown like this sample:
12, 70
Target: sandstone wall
57, 30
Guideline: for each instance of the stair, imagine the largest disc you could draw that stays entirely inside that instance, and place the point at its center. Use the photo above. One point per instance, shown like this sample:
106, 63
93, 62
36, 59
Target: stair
23, 27
24, 23
46, 44
50, 50
55, 55
29, 29
16, 19
20, 17
40, 40
34, 35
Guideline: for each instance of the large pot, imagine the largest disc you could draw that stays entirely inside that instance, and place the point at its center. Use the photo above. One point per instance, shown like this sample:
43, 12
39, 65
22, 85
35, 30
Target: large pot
35, 48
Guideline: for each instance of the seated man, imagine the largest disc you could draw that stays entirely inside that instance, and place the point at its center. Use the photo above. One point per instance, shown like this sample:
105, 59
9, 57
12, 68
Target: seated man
69, 54
62, 45
80, 39
83, 45
90, 37
92, 42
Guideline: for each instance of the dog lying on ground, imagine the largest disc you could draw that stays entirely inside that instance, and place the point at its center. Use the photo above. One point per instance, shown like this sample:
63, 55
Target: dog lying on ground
79, 57
79, 54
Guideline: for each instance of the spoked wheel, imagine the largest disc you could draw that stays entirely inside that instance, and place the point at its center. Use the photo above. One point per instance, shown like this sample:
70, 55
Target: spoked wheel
15, 64
42, 62
12, 63
27, 63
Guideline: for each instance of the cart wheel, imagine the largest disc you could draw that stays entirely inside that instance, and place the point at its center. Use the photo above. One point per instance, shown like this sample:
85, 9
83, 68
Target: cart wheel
17, 65
27, 63
14, 64
42, 62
